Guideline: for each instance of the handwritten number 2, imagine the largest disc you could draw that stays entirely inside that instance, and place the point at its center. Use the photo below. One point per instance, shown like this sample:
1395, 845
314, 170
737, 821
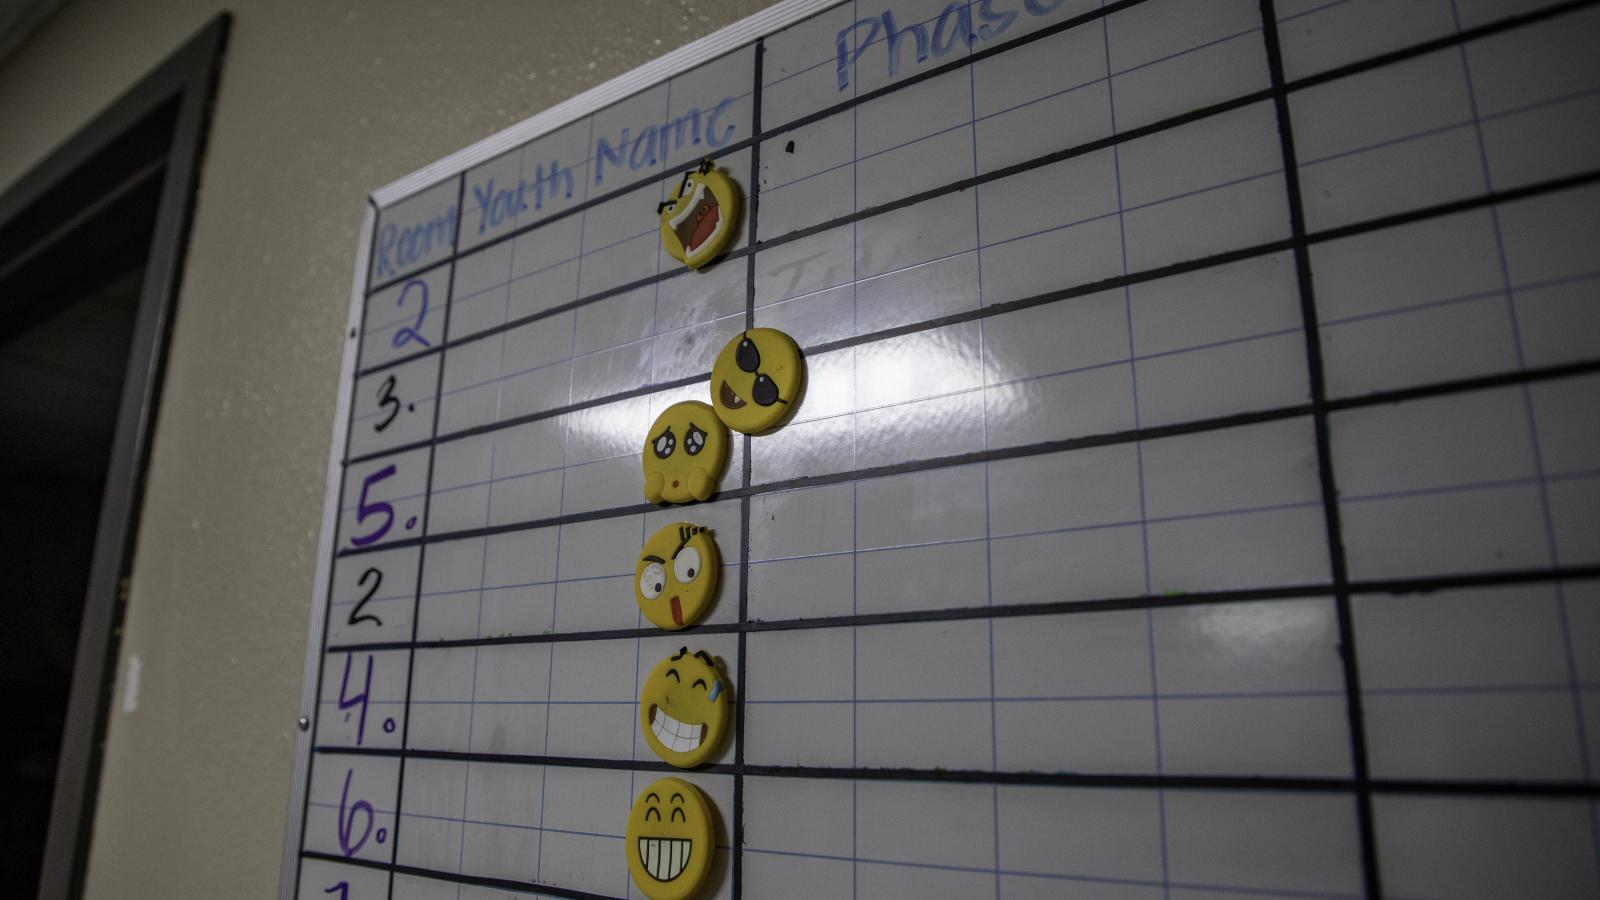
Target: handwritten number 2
408, 333
365, 509
356, 615
388, 400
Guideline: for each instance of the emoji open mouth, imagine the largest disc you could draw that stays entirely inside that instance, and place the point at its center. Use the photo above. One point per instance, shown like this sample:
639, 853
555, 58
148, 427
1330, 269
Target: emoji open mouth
700, 220
729, 398
664, 858
679, 737
677, 610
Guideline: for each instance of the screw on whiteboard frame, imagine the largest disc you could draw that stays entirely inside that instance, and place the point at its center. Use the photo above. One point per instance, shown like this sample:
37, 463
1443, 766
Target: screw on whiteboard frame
304, 723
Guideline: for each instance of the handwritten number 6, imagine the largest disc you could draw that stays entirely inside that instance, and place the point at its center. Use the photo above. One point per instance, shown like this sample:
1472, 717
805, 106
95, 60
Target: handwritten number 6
356, 615
375, 508
386, 398
347, 822
408, 333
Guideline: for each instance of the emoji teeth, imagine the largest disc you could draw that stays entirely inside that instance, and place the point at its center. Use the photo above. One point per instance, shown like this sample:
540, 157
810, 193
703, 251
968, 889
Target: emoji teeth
679, 737
665, 858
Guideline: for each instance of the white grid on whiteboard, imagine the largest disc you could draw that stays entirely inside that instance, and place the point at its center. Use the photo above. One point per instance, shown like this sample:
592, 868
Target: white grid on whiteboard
1165, 500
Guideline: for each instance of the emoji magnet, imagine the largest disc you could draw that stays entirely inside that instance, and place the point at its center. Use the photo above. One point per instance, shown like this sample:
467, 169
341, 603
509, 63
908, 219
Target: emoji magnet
670, 840
677, 575
757, 379
702, 218
685, 708
684, 454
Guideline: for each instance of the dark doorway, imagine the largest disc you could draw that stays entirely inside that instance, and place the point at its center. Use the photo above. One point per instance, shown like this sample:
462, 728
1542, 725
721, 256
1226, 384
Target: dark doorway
91, 246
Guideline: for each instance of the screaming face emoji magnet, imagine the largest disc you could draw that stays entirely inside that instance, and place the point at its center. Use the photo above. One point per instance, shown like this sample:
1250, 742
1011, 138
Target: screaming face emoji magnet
757, 379
700, 221
684, 454
677, 575
670, 840
684, 708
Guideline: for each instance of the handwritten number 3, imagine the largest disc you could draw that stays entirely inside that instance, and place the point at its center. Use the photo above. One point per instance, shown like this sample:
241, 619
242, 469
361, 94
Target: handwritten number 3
387, 399
408, 333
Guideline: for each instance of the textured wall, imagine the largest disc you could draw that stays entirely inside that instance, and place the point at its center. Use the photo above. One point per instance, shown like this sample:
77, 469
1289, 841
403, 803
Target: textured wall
319, 104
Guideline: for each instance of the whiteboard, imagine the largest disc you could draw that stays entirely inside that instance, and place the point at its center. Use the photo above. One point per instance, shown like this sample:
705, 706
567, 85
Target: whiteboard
1196, 494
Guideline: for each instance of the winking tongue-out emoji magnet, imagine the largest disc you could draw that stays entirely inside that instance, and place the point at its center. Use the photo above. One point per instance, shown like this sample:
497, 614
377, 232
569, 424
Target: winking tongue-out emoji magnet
685, 708
684, 454
677, 575
757, 379
702, 218
670, 840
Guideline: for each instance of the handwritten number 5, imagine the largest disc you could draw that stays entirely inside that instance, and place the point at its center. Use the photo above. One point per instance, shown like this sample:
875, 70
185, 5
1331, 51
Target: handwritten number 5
408, 333
388, 400
364, 509
356, 615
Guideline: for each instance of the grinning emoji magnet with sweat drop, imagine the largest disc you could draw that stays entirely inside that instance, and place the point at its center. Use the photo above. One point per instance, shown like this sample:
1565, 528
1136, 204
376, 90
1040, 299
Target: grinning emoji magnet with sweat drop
685, 454
701, 219
757, 380
670, 840
677, 575
685, 708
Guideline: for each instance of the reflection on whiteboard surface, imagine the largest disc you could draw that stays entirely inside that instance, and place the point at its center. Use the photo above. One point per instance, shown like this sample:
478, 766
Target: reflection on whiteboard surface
1193, 490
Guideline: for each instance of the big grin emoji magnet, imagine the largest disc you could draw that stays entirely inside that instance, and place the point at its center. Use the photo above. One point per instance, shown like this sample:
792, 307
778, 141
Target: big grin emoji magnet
757, 379
701, 219
684, 708
677, 575
670, 840
684, 454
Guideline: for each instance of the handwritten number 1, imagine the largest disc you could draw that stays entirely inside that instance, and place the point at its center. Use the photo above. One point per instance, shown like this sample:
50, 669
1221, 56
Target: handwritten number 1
408, 333
356, 615
387, 399
342, 887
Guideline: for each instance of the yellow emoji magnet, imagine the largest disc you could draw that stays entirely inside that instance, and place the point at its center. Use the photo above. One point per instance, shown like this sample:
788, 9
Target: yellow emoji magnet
684, 454
757, 379
677, 575
670, 840
702, 218
684, 708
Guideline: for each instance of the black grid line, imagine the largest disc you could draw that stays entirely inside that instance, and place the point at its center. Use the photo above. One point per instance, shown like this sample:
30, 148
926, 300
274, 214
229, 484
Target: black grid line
416, 600
1361, 785
1355, 721
1288, 87
1554, 185
1149, 433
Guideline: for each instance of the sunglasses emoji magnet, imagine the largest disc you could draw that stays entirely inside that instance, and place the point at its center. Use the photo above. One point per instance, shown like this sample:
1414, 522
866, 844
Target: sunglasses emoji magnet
670, 840
677, 575
685, 708
702, 218
757, 379
685, 454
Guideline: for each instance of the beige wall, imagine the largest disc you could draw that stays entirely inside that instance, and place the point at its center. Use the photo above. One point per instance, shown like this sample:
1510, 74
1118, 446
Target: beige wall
320, 102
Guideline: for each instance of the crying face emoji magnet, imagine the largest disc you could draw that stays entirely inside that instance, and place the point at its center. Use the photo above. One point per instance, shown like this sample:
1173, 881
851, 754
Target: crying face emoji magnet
685, 454
701, 219
757, 379
677, 575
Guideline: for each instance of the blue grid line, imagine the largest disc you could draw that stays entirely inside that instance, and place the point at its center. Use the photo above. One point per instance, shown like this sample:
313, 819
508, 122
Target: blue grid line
1579, 722
1533, 480
1093, 879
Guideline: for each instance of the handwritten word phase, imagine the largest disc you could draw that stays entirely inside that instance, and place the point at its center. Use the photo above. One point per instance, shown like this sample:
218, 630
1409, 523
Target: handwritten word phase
960, 21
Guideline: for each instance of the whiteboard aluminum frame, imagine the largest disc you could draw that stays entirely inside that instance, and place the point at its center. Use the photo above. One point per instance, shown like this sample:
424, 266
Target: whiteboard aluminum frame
739, 34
